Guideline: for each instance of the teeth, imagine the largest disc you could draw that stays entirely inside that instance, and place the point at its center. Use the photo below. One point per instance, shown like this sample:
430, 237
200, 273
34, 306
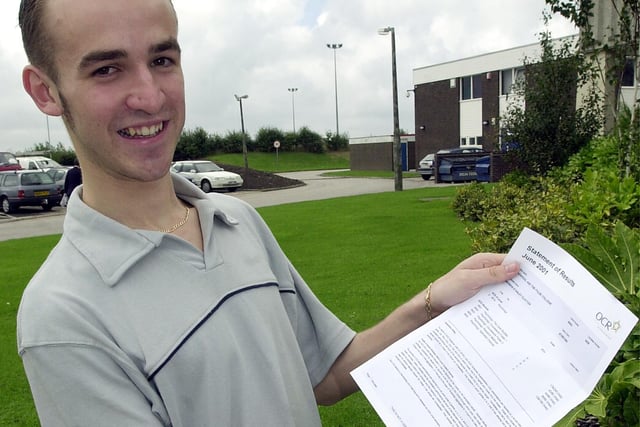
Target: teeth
144, 131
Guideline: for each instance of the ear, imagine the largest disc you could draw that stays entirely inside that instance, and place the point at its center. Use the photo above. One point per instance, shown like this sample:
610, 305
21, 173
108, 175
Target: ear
42, 90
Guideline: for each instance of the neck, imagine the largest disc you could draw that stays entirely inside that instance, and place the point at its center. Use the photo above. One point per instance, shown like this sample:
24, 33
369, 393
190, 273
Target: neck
146, 205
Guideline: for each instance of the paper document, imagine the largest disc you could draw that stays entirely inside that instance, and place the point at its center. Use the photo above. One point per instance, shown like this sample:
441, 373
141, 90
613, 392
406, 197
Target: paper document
520, 353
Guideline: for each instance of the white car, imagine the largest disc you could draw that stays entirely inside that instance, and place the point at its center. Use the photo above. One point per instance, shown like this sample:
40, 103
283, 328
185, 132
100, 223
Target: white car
37, 163
207, 175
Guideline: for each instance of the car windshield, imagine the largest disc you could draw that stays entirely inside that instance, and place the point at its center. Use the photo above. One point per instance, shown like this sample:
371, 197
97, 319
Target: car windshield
7, 158
37, 178
207, 167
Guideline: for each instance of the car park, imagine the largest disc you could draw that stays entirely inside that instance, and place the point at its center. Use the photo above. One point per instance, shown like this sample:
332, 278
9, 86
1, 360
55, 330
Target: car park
207, 175
8, 162
426, 165
28, 188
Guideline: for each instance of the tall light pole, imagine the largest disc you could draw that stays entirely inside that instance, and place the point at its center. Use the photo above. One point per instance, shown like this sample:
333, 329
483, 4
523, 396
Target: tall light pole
48, 132
293, 106
244, 139
397, 166
335, 46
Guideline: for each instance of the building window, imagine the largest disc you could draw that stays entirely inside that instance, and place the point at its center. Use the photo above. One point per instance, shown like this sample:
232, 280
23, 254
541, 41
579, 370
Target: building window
471, 87
507, 81
628, 73
465, 88
463, 141
509, 78
477, 86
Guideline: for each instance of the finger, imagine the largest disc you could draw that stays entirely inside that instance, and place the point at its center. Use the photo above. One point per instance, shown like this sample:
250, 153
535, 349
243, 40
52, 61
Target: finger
482, 260
501, 273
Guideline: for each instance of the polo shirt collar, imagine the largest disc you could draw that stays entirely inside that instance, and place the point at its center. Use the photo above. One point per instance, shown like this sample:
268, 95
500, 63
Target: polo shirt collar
92, 233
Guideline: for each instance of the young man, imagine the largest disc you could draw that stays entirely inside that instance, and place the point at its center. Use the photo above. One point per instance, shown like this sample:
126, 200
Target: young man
162, 305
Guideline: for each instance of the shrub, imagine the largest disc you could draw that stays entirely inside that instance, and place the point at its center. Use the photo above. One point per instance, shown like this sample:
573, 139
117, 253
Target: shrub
507, 209
469, 202
613, 257
336, 142
232, 142
311, 141
266, 137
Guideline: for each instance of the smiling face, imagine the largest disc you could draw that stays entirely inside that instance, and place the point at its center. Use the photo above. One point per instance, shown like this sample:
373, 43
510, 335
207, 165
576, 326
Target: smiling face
120, 87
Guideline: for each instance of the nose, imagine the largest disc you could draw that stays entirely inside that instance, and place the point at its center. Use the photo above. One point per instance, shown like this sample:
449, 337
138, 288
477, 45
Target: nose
146, 93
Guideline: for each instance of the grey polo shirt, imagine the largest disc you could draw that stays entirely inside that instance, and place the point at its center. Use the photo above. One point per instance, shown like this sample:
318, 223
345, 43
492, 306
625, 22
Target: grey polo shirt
124, 327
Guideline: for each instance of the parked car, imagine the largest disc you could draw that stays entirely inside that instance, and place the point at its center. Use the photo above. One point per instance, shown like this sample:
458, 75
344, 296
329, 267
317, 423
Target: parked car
425, 166
483, 169
37, 163
28, 188
8, 162
207, 175
58, 174
455, 166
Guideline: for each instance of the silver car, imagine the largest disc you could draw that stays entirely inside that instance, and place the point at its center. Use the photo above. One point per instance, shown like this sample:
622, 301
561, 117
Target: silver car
28, 188
207, 175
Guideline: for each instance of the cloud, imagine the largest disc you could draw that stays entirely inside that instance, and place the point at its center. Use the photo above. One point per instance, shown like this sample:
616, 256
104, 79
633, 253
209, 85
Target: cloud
262, 47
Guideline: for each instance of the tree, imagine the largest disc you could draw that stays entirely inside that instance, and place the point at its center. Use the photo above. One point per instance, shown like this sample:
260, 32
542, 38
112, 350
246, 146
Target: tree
614, 46
311, 141
548, 128
337, 142
193, 144
232, 142
266, 137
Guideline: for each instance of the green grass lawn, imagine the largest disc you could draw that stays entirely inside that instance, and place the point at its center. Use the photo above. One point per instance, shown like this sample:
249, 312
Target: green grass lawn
362, 255
287, 162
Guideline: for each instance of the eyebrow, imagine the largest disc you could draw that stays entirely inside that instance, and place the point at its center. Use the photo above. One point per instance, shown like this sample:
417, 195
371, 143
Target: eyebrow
110, 55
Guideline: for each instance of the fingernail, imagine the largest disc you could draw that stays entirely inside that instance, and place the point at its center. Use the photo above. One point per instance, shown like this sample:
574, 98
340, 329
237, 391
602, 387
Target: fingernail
510, 268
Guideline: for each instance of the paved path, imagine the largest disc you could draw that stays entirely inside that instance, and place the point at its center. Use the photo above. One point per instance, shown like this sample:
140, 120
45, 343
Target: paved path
317, 187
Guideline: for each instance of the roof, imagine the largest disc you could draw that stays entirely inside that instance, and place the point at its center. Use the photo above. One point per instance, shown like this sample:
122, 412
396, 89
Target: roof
499, 60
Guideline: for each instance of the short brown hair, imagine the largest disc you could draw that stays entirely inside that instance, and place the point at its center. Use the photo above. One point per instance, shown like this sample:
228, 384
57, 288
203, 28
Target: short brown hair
36, 39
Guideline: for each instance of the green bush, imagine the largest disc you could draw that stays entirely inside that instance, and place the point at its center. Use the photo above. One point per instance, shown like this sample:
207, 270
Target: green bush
613, 257
506, 209
311, 141
337, 142
602, 198
592, 208
266, 137
469, 202
561, 206
232, 142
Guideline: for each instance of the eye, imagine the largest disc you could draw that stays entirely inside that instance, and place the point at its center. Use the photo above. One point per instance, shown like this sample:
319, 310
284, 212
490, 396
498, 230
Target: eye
104, 71
163, 62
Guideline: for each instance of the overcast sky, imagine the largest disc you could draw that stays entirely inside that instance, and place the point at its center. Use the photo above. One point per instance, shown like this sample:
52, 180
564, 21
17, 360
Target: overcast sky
263, 47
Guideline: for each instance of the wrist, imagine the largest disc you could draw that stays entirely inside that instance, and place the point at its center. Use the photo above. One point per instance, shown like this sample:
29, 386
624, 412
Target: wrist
428, 308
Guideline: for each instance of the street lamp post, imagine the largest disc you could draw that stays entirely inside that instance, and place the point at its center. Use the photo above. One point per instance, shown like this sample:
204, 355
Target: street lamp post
335, 46
397, 167
244, 139
293, 106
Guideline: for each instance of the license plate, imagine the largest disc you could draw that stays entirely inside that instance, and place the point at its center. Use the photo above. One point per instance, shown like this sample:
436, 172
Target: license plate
40, 193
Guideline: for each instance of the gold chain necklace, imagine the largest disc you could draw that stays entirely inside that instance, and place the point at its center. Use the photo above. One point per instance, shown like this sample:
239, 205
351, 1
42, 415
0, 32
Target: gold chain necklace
179, 224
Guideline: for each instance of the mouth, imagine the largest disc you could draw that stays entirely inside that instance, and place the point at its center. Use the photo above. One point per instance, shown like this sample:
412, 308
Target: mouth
142, 131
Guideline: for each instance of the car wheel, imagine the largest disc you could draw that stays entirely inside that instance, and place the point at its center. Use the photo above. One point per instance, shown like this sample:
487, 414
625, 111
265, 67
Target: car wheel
426, 177
232, 189
47, 208
206, 186
6, 206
